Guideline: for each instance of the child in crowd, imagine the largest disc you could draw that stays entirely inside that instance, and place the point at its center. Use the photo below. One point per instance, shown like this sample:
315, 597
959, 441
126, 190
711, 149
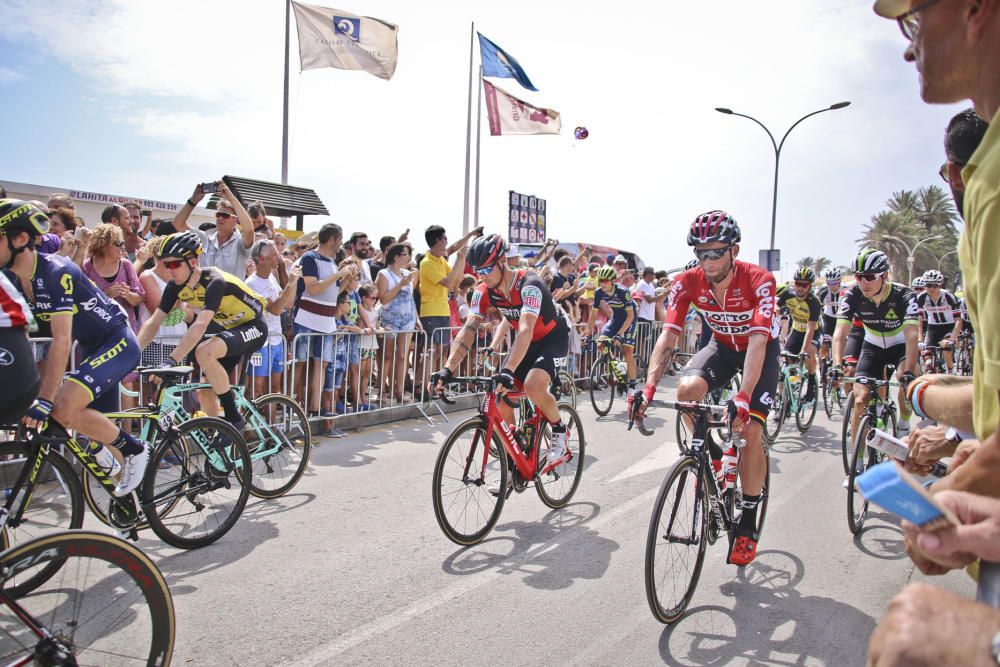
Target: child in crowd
351, 322
336, 369
368, 343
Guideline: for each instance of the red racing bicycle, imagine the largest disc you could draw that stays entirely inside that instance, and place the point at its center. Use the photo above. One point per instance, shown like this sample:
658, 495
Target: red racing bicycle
485, 459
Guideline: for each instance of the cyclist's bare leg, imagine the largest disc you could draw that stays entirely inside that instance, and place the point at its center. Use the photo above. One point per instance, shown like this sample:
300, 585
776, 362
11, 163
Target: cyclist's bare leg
72, 412
537, 385
860, 403
691, 388
752, 466
629, 352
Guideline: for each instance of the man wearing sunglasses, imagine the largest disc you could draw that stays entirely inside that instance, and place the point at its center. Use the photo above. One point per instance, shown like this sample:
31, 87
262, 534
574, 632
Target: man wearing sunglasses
229, 326
737, 300
803, 309
223, 247
889, 314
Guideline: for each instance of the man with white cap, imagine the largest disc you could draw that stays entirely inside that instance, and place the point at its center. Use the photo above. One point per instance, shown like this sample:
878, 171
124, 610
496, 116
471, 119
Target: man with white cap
955, 45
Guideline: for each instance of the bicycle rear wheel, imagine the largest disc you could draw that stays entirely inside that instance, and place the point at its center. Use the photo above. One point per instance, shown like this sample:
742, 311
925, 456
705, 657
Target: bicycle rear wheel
863, 458
776, 415
675, 543
565, 388
96, 570
807, 411
469, 485
602, 388
54, 503
280, 442
197, 500
557, 486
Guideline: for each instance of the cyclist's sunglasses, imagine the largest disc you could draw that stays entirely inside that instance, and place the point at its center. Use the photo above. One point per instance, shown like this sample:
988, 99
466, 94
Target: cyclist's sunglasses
484, 270
803, 283
713, 253
173, 263
932, 285
868, 277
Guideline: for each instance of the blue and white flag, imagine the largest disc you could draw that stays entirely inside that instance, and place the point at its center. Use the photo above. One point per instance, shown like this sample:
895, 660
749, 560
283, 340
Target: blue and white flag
335, 38
499, 63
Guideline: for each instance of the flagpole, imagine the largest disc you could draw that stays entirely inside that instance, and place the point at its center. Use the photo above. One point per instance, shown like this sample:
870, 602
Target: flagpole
468, 134
284, 116
479, 134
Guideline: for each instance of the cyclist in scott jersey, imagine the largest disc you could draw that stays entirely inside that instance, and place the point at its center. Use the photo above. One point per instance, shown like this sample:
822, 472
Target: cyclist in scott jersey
940, 314
230, 325
737, 300
540, 334
72, 308
621, 324
888, 312
803, 309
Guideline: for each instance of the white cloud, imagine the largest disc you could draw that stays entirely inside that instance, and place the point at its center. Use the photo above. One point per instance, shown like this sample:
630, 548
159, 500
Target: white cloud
206, 77
8, 75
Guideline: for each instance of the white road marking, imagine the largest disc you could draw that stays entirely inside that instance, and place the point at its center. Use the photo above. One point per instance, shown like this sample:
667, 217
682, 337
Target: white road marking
660, 458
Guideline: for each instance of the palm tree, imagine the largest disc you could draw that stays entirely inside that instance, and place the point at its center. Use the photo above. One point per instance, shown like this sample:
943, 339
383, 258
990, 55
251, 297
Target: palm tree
935, 209
805, 261
821, 264
898, 225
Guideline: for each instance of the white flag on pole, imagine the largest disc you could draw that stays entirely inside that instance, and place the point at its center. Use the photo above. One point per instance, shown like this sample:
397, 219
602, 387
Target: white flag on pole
335, 38
510, 115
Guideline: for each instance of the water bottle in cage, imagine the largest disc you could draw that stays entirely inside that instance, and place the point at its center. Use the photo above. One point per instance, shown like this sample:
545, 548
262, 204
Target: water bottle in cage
621, 366
720, 474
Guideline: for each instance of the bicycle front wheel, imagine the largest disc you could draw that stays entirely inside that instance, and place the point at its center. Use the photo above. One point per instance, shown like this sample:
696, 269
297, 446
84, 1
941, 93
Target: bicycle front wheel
469, 485
777, 413
675, 543
557, 485
280, 442
602, 388
55, 502
73, 608
807, 410
846, 436
863, 458
197, 483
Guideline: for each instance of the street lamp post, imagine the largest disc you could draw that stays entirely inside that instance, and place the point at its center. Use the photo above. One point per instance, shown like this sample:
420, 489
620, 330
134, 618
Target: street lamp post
941, 261
909, 252
777, 157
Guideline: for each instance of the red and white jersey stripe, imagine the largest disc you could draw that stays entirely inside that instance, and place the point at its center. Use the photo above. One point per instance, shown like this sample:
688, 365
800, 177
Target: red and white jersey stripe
14, 311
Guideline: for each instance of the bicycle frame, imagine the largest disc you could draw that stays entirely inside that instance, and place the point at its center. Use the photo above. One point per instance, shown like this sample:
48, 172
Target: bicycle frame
604, 349
525, 462
697, 449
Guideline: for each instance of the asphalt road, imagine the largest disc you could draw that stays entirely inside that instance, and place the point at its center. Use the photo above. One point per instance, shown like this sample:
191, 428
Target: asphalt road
351, 567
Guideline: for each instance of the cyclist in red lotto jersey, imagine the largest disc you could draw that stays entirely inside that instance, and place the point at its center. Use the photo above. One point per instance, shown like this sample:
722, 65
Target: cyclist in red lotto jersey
737, 300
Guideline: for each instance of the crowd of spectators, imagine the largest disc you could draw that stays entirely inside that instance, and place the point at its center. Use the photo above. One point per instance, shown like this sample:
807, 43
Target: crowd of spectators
368, 324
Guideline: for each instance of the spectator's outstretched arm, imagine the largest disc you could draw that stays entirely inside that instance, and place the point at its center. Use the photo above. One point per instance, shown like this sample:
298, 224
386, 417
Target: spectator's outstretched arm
462, 242
980, 472
978, 536
451, 280
287, 296
181, 219
246, 224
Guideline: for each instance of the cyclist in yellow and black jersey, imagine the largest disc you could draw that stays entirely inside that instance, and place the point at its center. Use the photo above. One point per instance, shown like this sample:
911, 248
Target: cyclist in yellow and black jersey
803, 308
230, 325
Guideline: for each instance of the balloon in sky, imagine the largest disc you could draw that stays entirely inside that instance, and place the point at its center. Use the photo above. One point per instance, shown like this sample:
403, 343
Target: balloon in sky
581, 133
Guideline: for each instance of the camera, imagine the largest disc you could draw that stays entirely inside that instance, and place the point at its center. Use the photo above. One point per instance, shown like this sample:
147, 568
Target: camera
210, 188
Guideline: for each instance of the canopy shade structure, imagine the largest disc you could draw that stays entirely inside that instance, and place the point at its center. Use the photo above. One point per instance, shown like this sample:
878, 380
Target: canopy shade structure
283, 201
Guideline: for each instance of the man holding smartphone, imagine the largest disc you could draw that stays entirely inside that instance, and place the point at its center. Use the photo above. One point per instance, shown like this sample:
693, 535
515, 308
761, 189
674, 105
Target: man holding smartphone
224, 248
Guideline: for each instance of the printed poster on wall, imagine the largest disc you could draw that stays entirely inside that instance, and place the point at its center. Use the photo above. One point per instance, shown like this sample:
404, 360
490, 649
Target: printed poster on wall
527, 219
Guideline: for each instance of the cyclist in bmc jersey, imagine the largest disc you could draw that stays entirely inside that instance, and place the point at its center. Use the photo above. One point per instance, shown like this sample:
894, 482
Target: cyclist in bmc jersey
803, 309
230, 325
621, 311
888, 312
541, 335
737, 300
70, 307
940, 314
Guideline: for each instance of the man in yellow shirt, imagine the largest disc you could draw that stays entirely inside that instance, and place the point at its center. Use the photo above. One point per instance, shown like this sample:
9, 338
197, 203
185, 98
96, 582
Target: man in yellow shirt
437, 279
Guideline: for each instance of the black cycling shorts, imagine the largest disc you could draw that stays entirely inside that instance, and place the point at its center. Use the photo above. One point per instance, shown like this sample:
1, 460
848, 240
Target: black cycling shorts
543, 354
852, 348
717, 364
241, 341
873, 360
18, 373
936, 333
793, 343
829, 326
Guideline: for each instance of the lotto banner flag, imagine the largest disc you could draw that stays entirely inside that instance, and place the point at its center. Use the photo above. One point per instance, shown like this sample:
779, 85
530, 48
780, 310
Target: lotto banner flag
499, 63
509, 115
335, 38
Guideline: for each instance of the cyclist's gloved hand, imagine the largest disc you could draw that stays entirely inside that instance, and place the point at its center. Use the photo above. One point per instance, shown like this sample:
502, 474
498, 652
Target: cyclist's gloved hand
647, 391
38, 413
837, 372
442, 377
742, 404
505, 379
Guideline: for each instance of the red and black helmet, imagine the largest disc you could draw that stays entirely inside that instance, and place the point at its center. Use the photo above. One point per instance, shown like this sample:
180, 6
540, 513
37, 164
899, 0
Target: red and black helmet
712, 227
486, 250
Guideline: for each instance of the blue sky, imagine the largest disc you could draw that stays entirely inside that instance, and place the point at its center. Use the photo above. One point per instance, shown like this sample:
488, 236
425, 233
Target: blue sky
148, 99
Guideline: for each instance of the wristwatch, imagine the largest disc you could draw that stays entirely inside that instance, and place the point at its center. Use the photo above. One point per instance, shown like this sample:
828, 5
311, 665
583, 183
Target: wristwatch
953, 437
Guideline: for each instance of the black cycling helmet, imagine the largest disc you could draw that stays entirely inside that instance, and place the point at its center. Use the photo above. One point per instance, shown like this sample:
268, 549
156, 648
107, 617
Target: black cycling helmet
870, 260
712, 227
486, 250
185, 245
805, 274
22, 216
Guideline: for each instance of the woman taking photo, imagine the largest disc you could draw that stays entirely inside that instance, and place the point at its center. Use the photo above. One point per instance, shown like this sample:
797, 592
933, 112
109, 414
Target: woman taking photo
399, 313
